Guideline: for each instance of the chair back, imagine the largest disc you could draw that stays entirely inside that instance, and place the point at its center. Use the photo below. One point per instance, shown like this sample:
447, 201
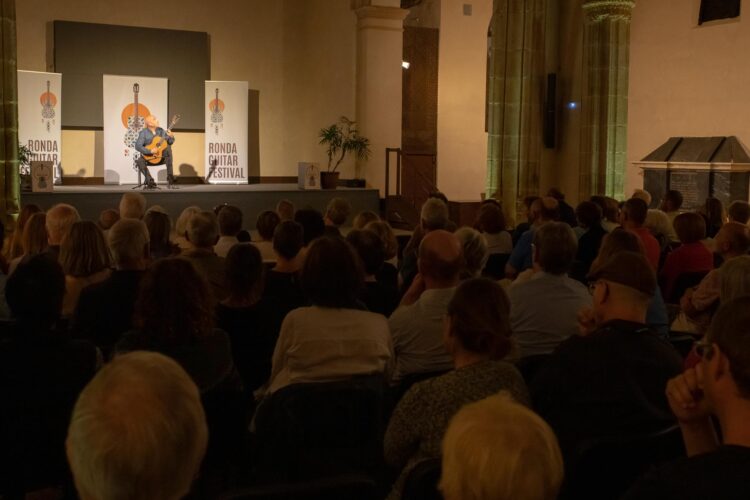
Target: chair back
604, 468
495, 267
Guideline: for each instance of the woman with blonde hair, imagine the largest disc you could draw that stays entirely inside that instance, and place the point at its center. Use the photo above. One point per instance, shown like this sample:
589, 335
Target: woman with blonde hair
497, 449
85, 260
364, 218
16, 242
180, 227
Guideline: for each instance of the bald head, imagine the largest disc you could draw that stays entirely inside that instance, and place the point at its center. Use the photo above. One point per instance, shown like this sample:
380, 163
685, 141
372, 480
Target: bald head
441, 258
151, 121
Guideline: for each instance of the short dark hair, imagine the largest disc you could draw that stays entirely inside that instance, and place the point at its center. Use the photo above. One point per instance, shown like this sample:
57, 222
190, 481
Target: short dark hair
491, 219
674, 197
230, 220
288, 239
480, 317
729, 330
690, 227
312, 224
636, 211
331, 275
369, 248
266, 224
159, 226
35, 290
556, 194
556, 245
739, 211
589, 214
244, 271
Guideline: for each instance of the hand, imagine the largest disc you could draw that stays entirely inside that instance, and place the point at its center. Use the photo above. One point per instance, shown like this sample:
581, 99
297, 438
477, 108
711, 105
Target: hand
170, 133
586, 321
686, 398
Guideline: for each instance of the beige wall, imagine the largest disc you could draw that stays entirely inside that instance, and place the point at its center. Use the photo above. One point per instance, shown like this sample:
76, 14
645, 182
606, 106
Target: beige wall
462, 140
685, 80
299, 54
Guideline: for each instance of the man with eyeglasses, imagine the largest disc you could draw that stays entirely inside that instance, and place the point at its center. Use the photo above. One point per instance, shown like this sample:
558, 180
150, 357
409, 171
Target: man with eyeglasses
609, 380
716, 390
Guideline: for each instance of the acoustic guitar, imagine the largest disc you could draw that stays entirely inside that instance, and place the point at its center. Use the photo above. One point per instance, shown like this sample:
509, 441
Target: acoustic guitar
160, 144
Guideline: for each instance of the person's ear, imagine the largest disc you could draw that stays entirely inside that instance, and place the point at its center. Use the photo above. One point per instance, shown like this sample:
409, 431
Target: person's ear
717, 363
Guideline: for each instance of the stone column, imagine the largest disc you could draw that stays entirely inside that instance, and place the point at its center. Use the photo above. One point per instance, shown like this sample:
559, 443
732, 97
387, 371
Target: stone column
379, 53
9, 180
604, 107
515, 80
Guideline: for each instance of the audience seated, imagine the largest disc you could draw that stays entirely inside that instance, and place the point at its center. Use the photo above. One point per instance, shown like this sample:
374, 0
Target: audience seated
105, 309
363, 218
159, 227
42, 372
661, 227
174, 316
610, 379
718, 390
107, 219
691, 256
543, 210
332, 339
610, 212
337, 212
497, 449
642, 194
16, 243
475, 252
285, 210
477, 336
388, 274
618, 241
698, 304
132, 206
138, 431
252, 321
203, 233
525, 225
60, 218
567, 213
34, 239
433, 217
715, 216
229, 219
180, 227
491, 223
589, 216
739, 211
312, 223
670, 205
85, 260
417, 324
377, 297
633, 218
544, 309
283, 281
266, 225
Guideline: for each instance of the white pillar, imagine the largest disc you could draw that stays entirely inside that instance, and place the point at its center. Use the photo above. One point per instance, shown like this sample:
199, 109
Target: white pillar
379, 52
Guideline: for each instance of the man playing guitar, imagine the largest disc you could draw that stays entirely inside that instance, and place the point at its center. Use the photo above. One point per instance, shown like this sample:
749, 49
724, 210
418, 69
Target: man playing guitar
145, 137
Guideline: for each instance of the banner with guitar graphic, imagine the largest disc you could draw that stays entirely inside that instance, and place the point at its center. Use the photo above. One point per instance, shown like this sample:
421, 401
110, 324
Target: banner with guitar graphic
39, 111
226, 132
128, 100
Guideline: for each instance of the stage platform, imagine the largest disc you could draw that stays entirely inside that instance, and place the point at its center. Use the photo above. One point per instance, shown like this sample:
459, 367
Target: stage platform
252, 199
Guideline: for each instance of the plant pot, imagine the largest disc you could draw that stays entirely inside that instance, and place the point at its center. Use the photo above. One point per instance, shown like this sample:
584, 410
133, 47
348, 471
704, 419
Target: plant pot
329, 180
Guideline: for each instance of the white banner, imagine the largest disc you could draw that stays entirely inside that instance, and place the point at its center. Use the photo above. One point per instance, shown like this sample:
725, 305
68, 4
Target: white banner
226, 132
120, 94
39, 116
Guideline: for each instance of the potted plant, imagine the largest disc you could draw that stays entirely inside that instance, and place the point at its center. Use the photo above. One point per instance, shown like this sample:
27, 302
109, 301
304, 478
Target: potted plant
24, 167
341, 138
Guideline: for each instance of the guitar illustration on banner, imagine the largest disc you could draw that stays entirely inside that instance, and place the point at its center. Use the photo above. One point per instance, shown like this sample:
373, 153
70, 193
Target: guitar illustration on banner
160, 144
216, 106
48, 101
133, 119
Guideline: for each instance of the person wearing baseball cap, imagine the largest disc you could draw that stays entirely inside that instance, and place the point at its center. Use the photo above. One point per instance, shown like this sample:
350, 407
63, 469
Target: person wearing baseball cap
609, 380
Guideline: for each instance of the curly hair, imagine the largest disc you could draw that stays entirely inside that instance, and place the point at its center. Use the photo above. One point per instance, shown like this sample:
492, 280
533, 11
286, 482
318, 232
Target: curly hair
174, 302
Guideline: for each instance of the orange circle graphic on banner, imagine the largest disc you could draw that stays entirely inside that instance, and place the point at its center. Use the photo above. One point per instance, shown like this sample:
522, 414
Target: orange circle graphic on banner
213, 104
129, 111
48, 96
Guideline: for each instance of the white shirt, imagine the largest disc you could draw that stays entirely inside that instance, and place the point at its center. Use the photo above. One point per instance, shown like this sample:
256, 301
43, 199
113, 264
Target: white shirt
501, 242
318, 344
418, 334
224, 244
